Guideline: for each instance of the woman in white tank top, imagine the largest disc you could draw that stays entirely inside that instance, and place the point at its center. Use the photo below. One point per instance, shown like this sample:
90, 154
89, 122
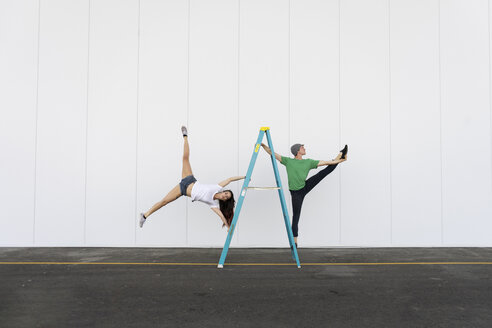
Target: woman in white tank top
220, 201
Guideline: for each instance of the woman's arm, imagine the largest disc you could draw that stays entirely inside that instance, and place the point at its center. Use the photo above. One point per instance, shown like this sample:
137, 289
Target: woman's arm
269, 151
231, 179
219, 213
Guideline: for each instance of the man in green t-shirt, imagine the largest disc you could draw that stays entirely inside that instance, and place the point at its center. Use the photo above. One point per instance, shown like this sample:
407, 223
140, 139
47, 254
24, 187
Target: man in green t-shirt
297, 172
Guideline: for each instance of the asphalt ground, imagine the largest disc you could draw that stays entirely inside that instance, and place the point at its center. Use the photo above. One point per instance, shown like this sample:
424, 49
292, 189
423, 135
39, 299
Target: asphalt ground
182, 287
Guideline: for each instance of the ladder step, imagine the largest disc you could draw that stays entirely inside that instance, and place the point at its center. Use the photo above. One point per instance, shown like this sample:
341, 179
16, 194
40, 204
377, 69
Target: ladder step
263, 188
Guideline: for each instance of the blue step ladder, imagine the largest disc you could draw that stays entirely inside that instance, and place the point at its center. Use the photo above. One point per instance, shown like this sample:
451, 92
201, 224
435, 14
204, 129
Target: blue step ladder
245, 187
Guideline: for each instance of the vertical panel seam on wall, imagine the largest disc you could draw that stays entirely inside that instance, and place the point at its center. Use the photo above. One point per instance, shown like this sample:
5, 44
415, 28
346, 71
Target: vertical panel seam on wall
340, 118
238, 89
188, 102
137, 126
289, 99
36, 127
440, 121
288, 77
490, 91
289, 137
87, 119
390, 126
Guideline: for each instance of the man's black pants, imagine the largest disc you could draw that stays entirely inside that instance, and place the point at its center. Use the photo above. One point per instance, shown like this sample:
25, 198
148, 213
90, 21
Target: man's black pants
298, 195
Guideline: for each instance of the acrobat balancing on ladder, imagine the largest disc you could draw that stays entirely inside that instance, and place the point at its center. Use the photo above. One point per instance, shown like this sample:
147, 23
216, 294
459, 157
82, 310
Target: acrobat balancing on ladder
297, 171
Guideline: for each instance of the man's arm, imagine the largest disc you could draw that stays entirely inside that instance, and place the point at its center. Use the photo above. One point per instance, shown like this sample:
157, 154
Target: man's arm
332, 162
231, 179
269, 151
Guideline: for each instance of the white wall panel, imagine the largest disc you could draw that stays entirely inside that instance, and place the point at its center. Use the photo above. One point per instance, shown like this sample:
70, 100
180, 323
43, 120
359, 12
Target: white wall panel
364, 101
490, 77
112, 126
467, 194
18, 82
263, 101
315, 115
213, 109
163, 88
61, 132
415, 123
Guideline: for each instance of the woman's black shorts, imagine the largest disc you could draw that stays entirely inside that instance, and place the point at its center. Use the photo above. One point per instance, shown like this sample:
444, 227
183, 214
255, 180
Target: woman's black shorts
185, 182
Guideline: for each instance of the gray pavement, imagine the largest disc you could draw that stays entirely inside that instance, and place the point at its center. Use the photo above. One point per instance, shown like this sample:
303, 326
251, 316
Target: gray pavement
349, 295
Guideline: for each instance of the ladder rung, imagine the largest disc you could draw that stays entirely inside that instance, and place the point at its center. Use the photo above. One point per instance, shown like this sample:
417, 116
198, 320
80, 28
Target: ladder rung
263, 188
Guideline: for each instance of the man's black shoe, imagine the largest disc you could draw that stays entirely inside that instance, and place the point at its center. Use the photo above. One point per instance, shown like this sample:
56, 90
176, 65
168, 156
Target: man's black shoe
344, 151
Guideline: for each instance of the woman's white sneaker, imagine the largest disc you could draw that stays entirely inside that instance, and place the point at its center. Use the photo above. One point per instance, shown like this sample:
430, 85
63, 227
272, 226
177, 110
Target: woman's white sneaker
142, 220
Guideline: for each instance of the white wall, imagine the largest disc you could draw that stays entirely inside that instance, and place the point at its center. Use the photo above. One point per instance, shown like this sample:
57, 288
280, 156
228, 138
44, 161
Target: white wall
112, 122
365, 122
415, 123
61, 123
19, 26
93, 94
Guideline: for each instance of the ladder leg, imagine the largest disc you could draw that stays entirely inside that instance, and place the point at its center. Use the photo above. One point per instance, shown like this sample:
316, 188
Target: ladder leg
240, 200
283, 203
228, 241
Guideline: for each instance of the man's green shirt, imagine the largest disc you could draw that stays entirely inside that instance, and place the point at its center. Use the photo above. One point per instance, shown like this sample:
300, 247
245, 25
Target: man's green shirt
297, 171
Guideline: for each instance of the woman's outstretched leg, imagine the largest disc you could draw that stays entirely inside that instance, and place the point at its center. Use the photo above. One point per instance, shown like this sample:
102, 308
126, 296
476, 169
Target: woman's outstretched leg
186, 171
174, 194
